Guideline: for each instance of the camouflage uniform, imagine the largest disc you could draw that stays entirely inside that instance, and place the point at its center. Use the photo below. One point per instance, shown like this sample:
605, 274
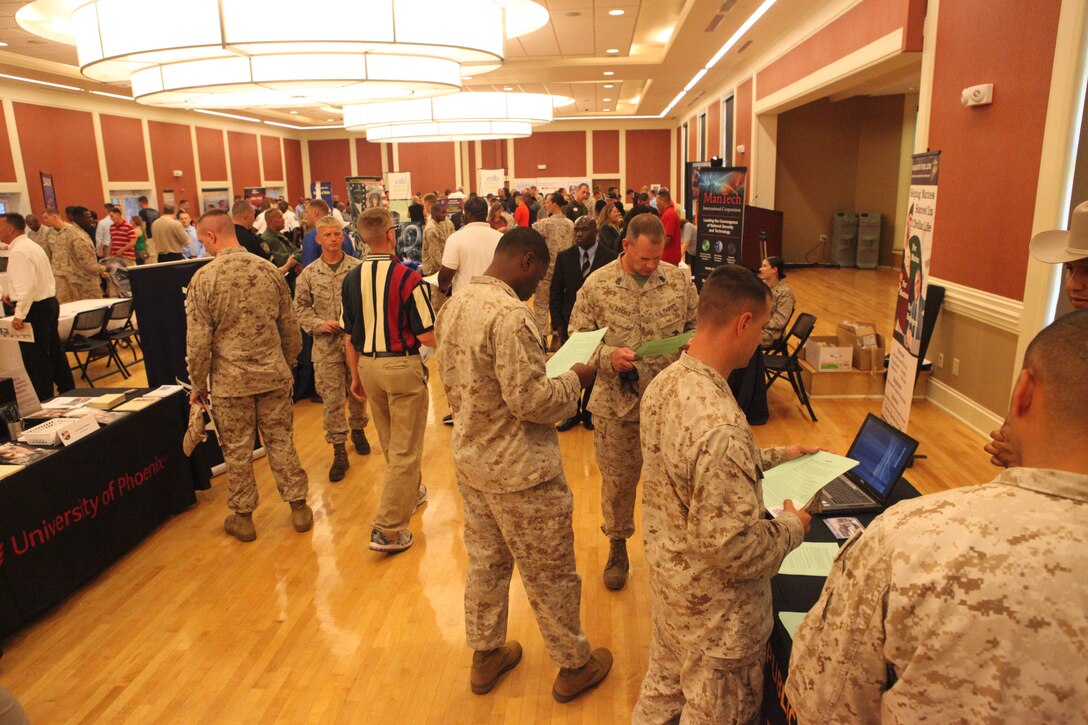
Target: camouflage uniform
75, 266
244, 334
435, 235
558, 232
41, 237
711, 554
663, 307
518, 506
782, 304
961, 606
317, 300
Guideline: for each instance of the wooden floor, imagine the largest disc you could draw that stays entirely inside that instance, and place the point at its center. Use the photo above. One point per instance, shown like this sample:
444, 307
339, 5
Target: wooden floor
195, 627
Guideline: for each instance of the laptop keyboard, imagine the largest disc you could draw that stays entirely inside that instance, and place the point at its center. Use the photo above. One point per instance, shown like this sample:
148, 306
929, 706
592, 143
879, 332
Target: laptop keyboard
840, 492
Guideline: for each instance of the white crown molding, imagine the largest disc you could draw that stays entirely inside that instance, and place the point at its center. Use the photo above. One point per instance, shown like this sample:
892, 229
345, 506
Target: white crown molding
978, 418
986, 307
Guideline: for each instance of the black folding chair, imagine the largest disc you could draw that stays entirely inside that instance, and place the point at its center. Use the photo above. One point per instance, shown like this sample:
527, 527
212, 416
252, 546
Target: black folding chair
787, 363
124, 335
779, 346
85, 338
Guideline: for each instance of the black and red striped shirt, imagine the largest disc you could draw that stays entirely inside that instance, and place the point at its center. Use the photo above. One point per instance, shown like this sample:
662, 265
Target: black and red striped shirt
386, 306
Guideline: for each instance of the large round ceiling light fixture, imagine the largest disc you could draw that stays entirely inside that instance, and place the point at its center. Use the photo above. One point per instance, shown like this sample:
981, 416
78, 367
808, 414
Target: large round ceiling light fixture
232, 54
457, 117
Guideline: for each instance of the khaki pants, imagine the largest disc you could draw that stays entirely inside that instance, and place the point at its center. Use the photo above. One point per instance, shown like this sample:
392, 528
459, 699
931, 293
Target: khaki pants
332, 380
697, 689
532, 528
619, 457
237, 419
396, 388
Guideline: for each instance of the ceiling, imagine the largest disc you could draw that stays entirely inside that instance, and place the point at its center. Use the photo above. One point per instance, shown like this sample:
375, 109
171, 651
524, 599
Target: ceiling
659, 46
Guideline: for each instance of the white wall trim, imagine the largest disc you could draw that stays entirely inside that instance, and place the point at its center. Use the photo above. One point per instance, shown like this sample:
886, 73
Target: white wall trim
353, 155
226, 156
509, 160
878, 51
17, 155
457, 168
396, 157
976, 417
100, 149
196, 168
260, 161
150, 163
623, 159
283, 167
925, 81
986, 307
385, 159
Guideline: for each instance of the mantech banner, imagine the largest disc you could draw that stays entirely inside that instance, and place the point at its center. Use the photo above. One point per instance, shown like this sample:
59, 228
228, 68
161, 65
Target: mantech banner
721, 218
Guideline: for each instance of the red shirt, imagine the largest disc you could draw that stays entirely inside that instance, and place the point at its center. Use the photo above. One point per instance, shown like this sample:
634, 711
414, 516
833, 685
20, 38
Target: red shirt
521, 215
120, 235
674, 246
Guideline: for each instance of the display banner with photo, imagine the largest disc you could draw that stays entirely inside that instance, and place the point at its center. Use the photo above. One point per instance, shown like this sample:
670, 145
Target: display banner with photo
488, 181
692, 172
913, 285
364, 192
399, 184
721, 219
214, 199
321, 190
255, 195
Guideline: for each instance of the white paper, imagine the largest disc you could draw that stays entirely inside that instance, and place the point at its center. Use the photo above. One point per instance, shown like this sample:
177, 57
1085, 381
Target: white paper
791, 620
800, 479
7, 332
163, 391
65, 403
810, 559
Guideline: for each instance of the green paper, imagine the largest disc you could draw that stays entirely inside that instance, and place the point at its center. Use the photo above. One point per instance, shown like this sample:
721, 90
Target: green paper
801, 478
578, 348
665, 346
791, 620
810, 559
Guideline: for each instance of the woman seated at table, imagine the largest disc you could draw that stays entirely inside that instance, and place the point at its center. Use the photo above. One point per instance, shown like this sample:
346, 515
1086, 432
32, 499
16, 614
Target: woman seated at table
773, 274
609, 221
499, 219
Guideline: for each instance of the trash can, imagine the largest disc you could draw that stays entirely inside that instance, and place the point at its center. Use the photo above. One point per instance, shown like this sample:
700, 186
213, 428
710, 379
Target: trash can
844, 239
868, 251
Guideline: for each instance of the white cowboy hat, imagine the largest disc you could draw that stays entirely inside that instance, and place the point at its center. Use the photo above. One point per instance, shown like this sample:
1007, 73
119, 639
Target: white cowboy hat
1059, 246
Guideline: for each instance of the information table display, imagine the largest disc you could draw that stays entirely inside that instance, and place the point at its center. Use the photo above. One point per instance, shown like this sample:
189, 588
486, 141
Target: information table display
70, 514
800, 594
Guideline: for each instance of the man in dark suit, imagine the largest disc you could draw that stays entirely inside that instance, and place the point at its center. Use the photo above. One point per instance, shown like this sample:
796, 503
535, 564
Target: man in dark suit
572, 267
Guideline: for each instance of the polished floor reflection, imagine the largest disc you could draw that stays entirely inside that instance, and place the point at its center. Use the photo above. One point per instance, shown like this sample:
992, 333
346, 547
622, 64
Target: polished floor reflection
196, 627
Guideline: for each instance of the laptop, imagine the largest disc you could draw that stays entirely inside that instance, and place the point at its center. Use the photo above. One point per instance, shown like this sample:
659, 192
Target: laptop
883, 453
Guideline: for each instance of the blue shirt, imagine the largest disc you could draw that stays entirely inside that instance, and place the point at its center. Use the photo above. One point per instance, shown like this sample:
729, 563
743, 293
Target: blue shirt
311, 250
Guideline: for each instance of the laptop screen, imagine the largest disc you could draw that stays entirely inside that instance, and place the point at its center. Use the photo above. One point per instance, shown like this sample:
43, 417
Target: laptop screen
882, 452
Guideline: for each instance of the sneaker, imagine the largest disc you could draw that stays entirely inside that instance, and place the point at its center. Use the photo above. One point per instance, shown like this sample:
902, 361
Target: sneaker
340, 463
489, 667
448, 420
615, 571
570, 683
240, 527
302, 516
362, 445
380, 542
421, 497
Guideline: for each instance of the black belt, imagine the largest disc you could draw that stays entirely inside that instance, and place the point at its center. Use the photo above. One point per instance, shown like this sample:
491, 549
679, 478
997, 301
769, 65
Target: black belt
391, 354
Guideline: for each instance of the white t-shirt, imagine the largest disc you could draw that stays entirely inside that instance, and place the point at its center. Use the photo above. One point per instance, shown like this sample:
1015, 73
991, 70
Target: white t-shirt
470, 250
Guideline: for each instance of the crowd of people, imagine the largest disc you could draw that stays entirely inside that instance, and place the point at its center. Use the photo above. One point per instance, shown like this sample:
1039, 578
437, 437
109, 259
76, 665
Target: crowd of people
930, 588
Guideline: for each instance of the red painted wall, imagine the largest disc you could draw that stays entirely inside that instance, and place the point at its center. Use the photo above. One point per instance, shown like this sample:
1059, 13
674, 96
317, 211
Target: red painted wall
60, 142
647, 158
857, 27
563, 151
292, 156
123, 142
7, 160
606, 152
693, 139
493, 156
330, 160
172, 150
245, 168
742, 127
433, 165
982, 226
271, 158
714, 128
213, 159
369, 157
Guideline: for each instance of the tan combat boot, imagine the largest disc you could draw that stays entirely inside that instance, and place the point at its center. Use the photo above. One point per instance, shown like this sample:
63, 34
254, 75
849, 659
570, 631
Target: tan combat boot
615, 571
240, 526
570, 683
302, 516
488, 667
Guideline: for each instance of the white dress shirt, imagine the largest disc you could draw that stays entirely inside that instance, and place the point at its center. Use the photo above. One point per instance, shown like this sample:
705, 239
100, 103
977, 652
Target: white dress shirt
290, 221
259, 224
30, 278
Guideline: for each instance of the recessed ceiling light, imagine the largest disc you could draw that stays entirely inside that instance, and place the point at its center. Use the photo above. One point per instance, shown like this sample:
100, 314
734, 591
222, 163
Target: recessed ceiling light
608, 110
609, 85
615, 13
508, 88
606, 100
3, 44
613, 50
112, 95
293, 113
609, 73
330, 120
466, 78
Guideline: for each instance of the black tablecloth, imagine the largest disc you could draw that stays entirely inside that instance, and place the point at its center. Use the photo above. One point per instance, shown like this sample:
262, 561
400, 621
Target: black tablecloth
68, 516
799, 594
